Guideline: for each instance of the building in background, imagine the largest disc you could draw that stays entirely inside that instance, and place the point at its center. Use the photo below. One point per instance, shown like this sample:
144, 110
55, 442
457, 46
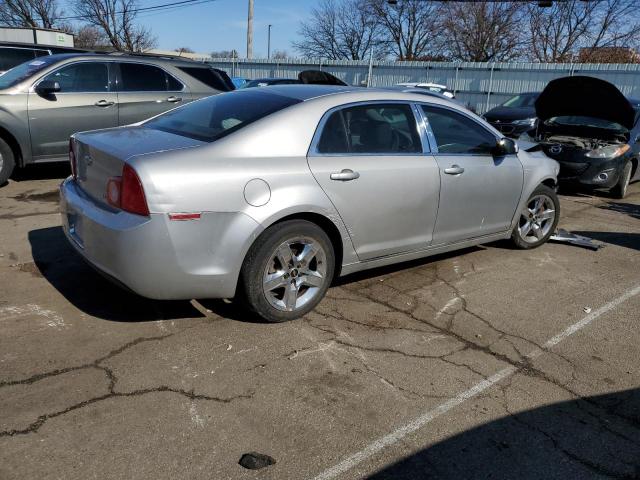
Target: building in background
37, 36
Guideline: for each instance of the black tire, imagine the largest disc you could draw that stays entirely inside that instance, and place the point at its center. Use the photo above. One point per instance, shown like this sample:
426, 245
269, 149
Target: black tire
260, 258
548, 228
7, 162
619, 191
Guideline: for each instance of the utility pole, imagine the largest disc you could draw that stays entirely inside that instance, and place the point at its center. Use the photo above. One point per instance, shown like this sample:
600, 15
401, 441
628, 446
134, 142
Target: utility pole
250, 30
269, 42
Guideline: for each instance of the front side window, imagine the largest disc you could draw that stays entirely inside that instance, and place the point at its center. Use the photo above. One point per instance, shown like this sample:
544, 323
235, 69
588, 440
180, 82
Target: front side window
219, 115
82, 77
137, 77
370, 129
455, 133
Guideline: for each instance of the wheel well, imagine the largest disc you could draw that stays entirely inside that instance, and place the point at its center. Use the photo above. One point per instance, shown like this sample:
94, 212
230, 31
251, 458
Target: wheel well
549, 182
13, 143
329, 228
634, 166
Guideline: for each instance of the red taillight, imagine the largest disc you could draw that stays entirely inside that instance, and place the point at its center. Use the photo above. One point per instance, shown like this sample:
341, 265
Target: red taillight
72, 160
126, 192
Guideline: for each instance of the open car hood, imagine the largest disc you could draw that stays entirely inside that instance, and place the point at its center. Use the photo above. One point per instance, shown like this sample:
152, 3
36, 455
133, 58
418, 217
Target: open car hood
584, 97
316, 77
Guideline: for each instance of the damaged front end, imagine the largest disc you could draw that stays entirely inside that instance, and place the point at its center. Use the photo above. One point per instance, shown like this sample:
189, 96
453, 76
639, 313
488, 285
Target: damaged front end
585, 125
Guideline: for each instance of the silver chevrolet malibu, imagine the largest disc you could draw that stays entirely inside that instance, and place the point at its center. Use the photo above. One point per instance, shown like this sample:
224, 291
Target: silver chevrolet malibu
269, 194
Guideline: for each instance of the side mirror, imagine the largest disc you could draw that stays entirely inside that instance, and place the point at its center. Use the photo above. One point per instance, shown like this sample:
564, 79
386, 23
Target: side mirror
47, 87
505, 146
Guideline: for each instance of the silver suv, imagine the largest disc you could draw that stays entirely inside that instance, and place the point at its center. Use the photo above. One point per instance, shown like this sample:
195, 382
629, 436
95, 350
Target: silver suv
44, 101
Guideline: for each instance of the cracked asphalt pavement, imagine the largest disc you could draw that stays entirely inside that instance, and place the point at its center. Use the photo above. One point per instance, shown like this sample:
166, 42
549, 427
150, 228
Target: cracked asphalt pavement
96, 382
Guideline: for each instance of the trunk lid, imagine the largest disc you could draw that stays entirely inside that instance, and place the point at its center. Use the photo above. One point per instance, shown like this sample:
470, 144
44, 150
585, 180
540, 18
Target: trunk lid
584, 97
101, 154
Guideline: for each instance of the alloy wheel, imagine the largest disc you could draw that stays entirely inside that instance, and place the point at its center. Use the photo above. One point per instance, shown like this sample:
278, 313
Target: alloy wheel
536, 219
295, 274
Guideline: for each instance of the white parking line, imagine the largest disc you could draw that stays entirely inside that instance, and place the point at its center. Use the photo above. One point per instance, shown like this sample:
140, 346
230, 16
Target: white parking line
419, 422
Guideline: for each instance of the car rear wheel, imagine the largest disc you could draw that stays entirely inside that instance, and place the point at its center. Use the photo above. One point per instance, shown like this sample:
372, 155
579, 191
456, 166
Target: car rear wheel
538, 219
288, 270
620, 189
7, 161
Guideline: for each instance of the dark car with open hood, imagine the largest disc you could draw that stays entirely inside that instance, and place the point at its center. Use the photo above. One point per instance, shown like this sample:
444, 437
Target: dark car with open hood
592, 130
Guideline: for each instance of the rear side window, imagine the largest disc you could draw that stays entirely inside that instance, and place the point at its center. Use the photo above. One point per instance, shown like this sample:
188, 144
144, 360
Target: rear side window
82, 77
375, 129
219, 115
137, 77
207, 76
455, 133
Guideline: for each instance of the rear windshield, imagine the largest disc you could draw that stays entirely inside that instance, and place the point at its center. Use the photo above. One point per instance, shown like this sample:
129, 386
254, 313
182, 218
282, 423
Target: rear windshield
26, 70
579, 121
219, 115
520, 101
210, 77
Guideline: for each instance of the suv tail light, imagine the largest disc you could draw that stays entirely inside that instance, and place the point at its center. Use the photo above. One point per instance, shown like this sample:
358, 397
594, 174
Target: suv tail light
126, 192
72, 160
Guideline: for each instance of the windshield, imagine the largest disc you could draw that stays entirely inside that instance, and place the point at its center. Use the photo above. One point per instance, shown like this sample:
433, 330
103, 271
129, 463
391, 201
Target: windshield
579, 121
520, 101
219, 115
25, 70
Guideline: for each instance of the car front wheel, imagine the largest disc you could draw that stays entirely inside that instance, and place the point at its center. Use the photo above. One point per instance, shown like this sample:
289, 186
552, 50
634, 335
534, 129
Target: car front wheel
620, 189
538, 219
7, 162
288, 270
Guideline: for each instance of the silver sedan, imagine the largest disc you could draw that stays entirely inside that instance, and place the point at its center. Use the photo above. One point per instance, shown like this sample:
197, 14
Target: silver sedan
269, 194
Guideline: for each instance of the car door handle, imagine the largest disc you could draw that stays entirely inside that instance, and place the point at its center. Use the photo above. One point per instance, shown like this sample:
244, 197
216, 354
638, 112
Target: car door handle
103, 103
454, 170
173, 99
345, 175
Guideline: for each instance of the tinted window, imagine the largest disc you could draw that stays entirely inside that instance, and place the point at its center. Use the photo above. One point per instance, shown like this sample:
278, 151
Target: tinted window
10, 57
207, 76
383, 128
455, 133
173, 85
219, 115
26, 70
82, 77
137, 77
521, 101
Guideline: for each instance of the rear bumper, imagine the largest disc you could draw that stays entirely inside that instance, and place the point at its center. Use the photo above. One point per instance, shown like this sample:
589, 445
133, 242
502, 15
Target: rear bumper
154, 256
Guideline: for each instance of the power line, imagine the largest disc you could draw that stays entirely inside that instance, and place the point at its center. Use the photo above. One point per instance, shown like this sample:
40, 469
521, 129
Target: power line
165, 6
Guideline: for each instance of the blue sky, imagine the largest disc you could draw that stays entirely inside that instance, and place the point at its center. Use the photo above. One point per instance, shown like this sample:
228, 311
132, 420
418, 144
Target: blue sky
222, 24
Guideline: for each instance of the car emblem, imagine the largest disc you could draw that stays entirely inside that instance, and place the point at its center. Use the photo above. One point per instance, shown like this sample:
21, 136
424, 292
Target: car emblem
555, 149
88, 160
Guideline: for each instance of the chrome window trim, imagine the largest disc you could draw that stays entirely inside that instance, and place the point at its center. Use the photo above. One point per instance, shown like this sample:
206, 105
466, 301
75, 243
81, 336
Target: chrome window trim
120, 62
313, 148
32, 89
432, 136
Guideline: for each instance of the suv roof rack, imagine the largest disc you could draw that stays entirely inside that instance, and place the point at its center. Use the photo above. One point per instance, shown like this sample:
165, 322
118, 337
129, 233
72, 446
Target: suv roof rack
154, 55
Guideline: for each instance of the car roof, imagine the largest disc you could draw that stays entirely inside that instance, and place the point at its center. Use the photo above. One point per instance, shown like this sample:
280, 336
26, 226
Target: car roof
355, 94
136, 58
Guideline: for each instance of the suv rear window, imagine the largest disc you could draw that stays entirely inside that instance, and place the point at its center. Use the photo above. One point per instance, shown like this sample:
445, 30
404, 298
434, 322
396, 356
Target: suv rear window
138, 77
214, 117
207, 76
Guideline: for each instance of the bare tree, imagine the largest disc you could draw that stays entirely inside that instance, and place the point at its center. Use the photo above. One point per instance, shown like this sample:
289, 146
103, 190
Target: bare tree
116, 18
340, 29
184, 50
413, 27
483, 31
558, 34
224, 54
89, 37
29, 13
279, 55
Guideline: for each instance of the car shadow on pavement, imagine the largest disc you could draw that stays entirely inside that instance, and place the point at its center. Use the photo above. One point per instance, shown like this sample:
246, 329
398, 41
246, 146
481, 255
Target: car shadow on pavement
46, 171
630, 209
57, 262
622, 239
589, 437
